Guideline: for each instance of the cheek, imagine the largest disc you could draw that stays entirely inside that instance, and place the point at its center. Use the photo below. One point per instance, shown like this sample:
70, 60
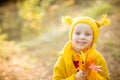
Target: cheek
90, 39
74, 38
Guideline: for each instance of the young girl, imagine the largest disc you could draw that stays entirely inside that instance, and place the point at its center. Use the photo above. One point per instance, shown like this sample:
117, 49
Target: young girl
79, 60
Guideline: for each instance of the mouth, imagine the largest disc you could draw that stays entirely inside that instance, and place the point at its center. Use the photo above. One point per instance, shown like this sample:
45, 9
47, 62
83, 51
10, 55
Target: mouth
81, 42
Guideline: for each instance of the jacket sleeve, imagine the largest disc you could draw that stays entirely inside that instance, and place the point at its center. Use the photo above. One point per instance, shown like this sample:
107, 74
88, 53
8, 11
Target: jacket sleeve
99, 75
60, 71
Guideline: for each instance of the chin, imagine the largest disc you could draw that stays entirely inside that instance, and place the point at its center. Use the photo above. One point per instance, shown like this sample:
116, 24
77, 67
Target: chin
82, 48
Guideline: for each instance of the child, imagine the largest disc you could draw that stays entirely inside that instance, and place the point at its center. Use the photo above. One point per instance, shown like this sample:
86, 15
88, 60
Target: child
79, 60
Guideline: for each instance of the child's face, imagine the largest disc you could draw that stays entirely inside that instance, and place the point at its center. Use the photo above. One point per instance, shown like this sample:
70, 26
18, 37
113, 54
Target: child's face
82, 37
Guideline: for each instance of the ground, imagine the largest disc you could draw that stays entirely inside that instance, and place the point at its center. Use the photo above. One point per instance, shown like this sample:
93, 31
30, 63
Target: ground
37, 62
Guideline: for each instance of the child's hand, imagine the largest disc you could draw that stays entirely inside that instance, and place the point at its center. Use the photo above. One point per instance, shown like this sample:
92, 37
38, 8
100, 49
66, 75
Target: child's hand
82, 74
86, 71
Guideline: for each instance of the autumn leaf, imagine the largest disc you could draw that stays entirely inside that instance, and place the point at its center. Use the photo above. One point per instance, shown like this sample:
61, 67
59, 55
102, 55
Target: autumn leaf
95, 67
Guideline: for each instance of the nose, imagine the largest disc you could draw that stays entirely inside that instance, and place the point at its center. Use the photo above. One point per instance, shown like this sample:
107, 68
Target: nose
82, 36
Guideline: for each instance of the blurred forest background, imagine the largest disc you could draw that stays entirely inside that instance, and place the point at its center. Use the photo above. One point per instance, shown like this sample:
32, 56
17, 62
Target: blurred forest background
31, 35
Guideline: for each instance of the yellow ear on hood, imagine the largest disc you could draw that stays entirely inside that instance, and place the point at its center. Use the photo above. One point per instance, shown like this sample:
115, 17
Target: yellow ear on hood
67, 19
103, 22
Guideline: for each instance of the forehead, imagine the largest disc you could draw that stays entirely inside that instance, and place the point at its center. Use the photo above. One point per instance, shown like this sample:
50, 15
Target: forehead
82, 26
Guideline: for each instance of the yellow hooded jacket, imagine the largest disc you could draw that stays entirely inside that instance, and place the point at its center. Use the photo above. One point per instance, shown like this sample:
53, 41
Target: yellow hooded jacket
64, 68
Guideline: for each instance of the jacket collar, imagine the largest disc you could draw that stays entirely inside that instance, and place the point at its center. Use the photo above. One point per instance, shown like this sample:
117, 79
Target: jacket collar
67, 54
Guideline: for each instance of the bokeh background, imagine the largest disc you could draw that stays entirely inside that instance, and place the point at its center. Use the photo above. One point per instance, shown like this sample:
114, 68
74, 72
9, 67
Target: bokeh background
31, 35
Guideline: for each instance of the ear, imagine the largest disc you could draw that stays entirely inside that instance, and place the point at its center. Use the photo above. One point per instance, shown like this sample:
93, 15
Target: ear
103, 22
67, 19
